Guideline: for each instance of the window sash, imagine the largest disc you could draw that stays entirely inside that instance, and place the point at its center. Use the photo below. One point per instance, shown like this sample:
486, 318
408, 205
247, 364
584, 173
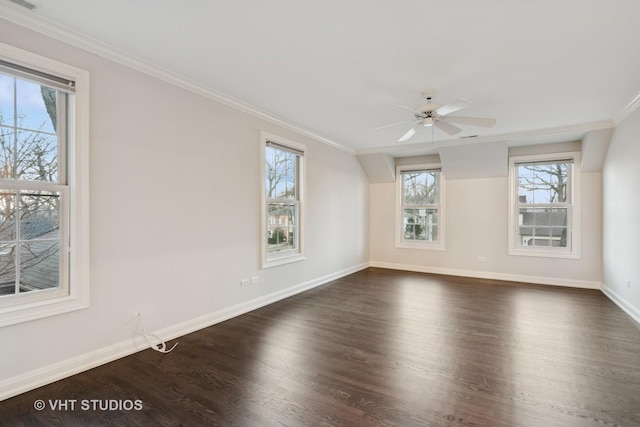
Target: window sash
282, 202
567, 184
545, 224
543, 231
18, 297
282, 236
423, 230
291, 231
542, 235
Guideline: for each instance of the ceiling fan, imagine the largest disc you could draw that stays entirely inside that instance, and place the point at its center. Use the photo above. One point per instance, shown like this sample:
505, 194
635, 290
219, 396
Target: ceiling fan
431, 114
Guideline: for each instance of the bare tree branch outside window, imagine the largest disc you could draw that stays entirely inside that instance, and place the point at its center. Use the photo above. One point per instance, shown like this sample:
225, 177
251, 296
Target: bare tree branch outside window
420, 199
544, 203
281, 169
29, 216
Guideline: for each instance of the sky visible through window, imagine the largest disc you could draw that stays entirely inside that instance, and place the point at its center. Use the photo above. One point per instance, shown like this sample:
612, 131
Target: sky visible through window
32, 113
543, 183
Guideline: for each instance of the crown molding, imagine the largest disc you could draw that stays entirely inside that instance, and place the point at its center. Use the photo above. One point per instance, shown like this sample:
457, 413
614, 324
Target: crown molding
512, 136
627, 110
30, 20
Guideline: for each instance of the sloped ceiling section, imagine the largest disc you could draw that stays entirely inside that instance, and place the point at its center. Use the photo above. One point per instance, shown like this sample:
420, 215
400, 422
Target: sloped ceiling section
484, 160
378, 167
594, 149
477, 160
491, 159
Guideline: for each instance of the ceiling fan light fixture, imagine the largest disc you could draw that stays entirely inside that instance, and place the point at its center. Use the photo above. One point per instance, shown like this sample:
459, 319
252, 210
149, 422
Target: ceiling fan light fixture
437, 116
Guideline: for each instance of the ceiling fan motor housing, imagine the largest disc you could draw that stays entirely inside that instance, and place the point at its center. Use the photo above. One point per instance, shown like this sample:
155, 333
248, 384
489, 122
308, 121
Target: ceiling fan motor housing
437, 115
428, 107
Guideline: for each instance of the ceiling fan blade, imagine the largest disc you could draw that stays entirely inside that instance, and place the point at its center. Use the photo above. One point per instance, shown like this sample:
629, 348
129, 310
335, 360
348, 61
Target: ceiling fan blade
456, 105
413, 110
448, 128
409, 133
392, 124
473, 121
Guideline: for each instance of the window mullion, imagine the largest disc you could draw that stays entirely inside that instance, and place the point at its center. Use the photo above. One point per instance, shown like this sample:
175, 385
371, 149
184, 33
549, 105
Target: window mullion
18, 246
61, 128
14, 167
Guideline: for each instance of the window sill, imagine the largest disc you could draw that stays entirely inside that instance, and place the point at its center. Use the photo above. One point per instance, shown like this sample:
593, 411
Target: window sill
421, 246
543, 253
43, 308
276, 261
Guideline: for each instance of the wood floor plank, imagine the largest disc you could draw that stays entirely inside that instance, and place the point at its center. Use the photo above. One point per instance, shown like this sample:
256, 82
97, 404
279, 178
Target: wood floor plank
379, 348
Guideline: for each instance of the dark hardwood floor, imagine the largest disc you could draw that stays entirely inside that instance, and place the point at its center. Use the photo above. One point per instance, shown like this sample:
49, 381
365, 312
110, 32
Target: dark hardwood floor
377, 348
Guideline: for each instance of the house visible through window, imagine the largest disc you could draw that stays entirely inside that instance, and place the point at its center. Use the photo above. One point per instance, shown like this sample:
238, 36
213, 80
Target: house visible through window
543, 218
283, 189
420, 190
39, 144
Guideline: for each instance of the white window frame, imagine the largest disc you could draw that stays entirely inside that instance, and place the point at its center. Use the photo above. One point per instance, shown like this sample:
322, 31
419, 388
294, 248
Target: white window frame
268, 260
573, 224
401, 242
73, 292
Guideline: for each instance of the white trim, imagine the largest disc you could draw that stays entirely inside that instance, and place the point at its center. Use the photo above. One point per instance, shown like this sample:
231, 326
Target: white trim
37, 23
78, 184
539, 280
432, 147
39, 377
627, 110
574, 251
621, 302
438, 245
282, 260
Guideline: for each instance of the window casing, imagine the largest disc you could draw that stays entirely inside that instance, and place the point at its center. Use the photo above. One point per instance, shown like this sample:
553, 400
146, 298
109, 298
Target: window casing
283, 202
420, 213
544, 208
43, 187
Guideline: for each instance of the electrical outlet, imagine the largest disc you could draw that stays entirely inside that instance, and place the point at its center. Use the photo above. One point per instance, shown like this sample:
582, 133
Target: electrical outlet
244, 282
482, 258
628, 283
254, 279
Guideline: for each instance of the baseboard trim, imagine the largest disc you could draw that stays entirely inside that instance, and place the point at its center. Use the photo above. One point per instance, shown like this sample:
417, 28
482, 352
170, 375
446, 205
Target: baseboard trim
207, 320
618, 300
48, 374
541, 280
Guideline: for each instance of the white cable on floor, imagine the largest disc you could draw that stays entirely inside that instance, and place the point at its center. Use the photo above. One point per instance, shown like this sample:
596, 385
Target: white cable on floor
149, 336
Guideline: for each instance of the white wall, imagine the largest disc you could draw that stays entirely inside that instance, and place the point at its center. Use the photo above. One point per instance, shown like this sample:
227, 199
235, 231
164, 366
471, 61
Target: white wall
175, 202
476, 225
621, 216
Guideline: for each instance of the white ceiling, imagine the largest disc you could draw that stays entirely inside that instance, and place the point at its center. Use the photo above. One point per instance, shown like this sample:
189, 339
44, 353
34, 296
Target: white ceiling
547, 70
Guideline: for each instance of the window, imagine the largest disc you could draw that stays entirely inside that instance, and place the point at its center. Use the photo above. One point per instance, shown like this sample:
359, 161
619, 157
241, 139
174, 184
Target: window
42, 160
420, 190
283, 163
543, 219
